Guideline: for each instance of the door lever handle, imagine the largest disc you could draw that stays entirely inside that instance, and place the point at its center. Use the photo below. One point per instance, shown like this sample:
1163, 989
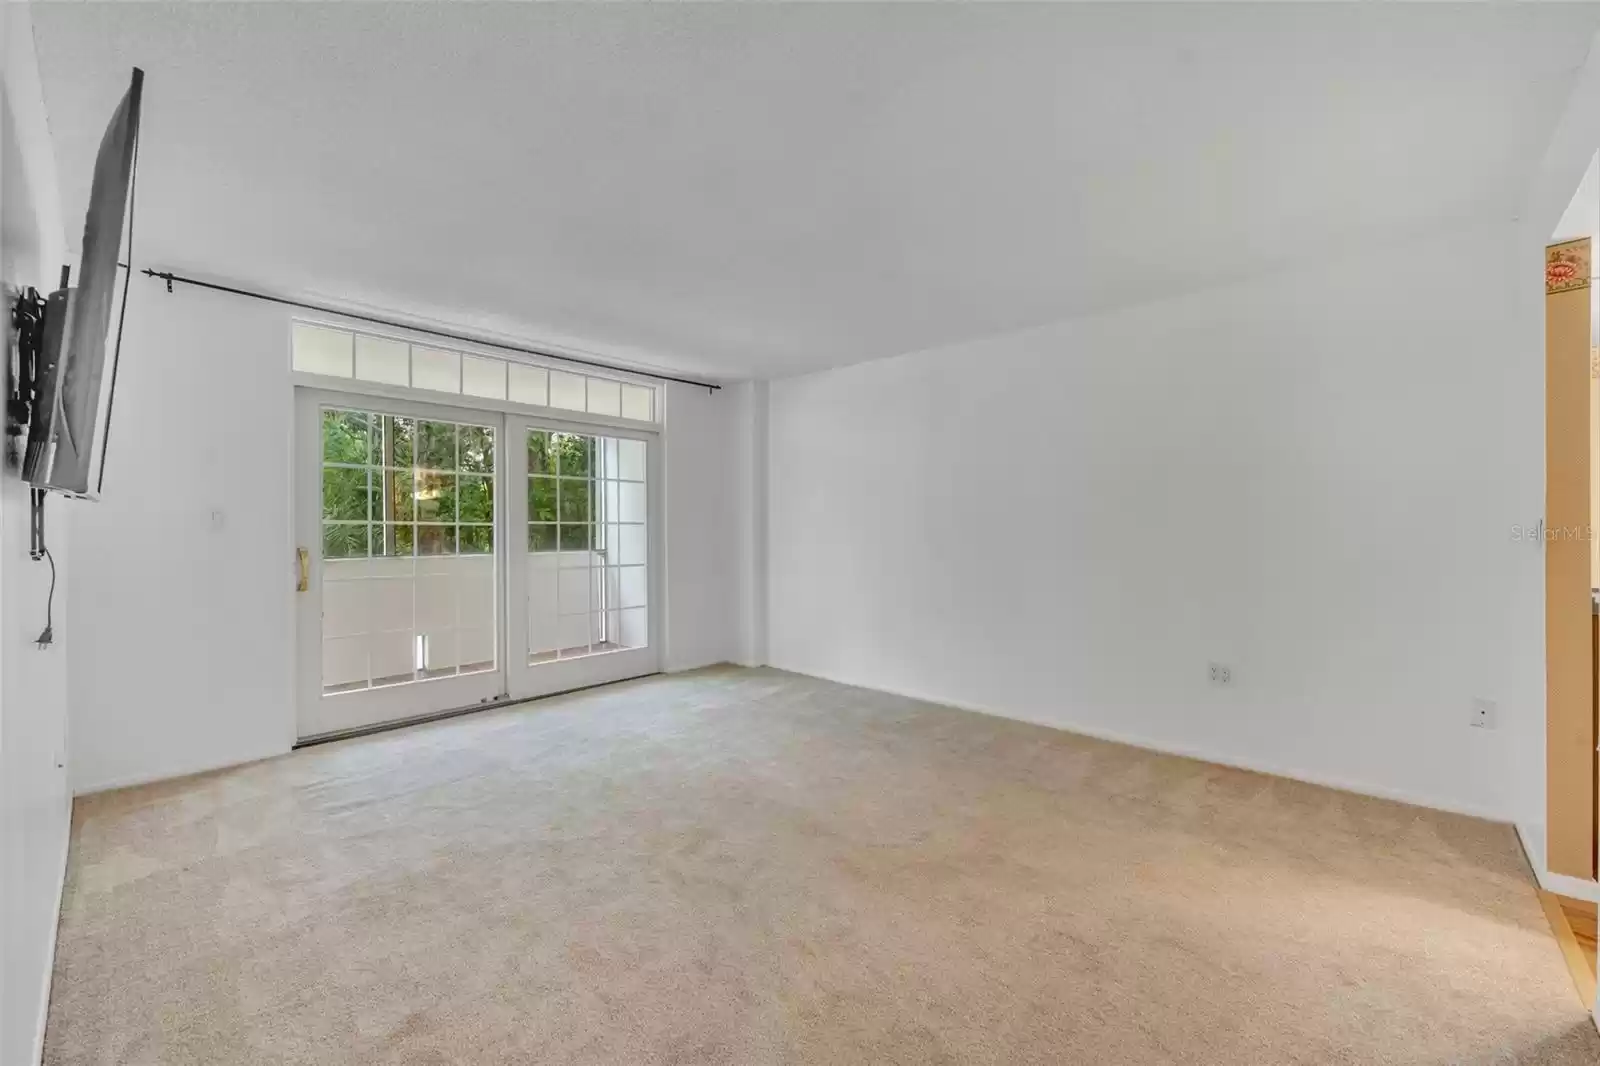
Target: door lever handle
305, 570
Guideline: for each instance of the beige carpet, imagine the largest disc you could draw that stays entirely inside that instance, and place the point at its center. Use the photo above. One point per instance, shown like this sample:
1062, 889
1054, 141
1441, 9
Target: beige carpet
750, 867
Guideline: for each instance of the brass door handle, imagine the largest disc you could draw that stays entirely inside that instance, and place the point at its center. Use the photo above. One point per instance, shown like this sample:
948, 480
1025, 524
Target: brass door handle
305, 571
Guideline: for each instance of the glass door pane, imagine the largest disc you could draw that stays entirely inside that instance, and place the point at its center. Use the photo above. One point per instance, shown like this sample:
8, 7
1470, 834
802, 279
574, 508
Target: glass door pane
587, 545
408, 562
584, 556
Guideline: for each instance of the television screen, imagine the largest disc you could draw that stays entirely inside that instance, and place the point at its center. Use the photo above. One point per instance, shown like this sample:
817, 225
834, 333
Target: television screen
60, 454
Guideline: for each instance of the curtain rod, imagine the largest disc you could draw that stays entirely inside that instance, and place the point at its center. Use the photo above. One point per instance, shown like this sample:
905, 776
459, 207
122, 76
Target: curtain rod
463, 338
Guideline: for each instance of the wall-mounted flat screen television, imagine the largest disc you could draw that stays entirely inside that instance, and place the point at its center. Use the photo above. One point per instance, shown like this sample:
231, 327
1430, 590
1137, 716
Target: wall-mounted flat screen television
72, 404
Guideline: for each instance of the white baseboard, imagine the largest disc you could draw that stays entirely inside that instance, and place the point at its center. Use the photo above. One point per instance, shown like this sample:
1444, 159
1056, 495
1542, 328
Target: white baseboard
172, 773
1571, 887
1221, 758
1532, 839
50, 956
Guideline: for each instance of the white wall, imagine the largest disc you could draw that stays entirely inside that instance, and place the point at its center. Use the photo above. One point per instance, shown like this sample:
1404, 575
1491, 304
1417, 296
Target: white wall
184, 649
752, 503
1311, 477
34, 801
1582, 216
184, 631
703, 521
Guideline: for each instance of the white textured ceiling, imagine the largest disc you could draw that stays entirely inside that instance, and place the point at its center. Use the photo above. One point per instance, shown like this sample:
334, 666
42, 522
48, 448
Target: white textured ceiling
753, 190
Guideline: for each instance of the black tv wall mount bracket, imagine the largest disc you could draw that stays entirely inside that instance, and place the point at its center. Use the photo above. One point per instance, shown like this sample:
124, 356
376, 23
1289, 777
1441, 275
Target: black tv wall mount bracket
27, 330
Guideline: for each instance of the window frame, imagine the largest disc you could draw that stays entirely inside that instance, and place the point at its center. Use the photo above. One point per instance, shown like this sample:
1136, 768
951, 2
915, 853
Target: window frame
384, 390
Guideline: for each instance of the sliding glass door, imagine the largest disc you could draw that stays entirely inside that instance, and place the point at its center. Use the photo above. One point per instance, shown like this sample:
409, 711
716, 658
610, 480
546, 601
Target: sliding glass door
399, 612
579, 556
449, 558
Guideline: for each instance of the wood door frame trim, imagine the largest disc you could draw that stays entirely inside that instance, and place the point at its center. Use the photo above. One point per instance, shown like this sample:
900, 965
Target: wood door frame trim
1578, 966
1570, 802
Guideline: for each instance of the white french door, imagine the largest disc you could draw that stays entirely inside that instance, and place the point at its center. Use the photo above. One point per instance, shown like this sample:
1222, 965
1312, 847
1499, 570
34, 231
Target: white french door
452, 557
580, 567
397, 522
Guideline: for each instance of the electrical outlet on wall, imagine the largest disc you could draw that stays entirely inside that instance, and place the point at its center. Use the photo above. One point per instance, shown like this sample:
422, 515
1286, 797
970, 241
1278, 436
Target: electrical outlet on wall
1482, 715
1221, 674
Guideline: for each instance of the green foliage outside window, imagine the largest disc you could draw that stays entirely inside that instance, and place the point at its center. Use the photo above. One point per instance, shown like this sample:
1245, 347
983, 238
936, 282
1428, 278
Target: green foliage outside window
561, 469
382, 473
541, 499
345, 437
566, 454
399, 486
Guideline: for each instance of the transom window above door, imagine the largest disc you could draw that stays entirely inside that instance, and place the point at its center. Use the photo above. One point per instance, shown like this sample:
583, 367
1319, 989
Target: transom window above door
335, 352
